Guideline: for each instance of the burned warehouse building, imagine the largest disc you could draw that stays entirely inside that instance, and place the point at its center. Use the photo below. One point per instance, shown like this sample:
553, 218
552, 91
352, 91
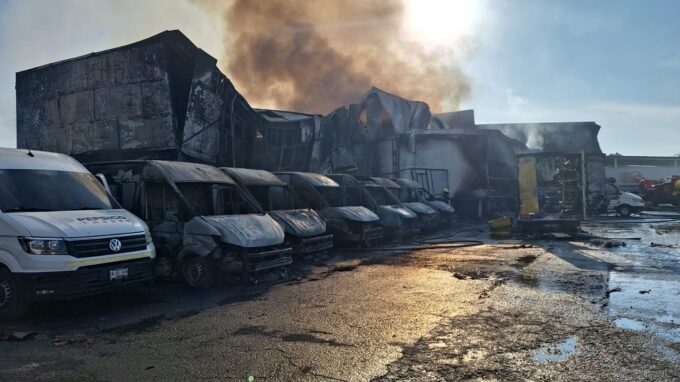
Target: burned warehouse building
163, 98
158, 98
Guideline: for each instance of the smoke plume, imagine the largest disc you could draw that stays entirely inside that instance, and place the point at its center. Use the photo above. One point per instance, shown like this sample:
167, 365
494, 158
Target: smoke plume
313, 56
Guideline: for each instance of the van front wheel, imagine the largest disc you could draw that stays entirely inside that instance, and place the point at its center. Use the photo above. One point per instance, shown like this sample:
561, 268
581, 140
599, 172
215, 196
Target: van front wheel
624, 210
12, 304
199, 272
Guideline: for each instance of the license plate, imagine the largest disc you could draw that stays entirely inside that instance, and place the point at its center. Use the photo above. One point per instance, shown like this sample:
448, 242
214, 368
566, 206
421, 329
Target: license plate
118, 274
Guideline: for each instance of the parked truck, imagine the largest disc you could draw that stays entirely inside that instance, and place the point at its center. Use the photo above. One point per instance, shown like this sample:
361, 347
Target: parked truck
305, 229
202, 222
349, 224
395, 219
62, 235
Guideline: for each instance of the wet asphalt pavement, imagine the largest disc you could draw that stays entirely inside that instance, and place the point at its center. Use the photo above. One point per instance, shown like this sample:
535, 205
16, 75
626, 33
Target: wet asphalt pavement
549, 310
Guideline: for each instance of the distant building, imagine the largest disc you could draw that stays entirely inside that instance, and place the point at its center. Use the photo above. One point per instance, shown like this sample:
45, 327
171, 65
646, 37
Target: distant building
629, 170
552, 137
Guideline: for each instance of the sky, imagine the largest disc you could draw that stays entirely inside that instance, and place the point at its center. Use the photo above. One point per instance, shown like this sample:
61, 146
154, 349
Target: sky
613, 62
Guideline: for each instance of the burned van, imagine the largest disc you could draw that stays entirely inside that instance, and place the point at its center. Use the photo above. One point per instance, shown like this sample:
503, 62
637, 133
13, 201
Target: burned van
427, 216
200, 220
348, 224
424, 215
305, 229
412, 191
395, 219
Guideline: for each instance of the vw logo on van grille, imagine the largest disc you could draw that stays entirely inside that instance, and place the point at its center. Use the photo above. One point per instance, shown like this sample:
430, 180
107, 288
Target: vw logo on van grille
115, 245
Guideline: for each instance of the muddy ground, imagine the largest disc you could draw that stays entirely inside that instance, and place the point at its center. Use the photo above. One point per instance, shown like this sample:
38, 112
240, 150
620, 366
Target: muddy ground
540, 310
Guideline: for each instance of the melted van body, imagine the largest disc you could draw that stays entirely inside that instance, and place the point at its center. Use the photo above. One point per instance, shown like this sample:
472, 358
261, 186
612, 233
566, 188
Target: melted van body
426, 215
305, 228
201, 221
385, 197
348, 224
395, 219
62, 235
413, 191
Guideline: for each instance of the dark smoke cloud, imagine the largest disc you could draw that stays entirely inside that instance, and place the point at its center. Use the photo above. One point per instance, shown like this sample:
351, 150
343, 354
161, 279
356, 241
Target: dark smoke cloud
314, 56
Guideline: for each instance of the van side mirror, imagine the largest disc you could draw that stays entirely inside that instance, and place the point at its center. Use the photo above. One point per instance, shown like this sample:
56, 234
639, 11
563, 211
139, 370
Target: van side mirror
102, 179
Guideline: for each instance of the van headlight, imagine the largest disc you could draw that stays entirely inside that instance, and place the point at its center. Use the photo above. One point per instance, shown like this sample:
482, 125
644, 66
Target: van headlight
43, 246
147, 235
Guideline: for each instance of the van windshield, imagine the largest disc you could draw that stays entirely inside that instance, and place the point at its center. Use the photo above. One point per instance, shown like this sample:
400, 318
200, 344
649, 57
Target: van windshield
396, 192
410, 195
332, 195
216, 199
46, 190
382, 196
273, 198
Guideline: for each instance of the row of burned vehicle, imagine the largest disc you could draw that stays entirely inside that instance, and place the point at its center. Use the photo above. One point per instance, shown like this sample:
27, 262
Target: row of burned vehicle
206, 220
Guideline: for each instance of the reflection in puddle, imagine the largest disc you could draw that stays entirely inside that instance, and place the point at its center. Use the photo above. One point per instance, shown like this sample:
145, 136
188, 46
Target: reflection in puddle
627, 323
556, 352
657, 311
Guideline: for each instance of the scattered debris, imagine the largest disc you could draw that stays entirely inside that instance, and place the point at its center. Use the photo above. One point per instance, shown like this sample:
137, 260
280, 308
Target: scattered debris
608, 243
617, 289
556, 352
526, 260
16, 336
653, 244
77, 339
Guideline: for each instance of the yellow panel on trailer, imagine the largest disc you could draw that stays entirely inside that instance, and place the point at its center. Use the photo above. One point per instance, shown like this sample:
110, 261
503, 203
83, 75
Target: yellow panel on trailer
527, 186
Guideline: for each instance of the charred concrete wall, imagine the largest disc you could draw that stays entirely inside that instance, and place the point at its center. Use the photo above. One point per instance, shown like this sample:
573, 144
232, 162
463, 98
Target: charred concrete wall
159, 98
115, 100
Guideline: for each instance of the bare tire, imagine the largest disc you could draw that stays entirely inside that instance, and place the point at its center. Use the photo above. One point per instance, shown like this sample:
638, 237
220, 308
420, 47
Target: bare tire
199, 272
624, 210
12, 304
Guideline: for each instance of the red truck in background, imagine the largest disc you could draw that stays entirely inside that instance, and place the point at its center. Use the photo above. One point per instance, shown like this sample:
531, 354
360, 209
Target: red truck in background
663, 191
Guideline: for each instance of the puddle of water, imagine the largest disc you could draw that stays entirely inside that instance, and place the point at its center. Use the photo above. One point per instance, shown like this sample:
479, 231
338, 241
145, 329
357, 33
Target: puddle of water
556, 352
656, 311
627, 323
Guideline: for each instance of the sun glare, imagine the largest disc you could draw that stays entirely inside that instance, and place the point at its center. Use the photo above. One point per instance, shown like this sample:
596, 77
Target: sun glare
440, 23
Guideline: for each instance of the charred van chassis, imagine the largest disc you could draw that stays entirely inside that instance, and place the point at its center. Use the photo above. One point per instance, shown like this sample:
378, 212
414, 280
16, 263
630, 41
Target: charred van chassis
354, 225
305, 229
413, 191
200, 220
395, 219
426, 215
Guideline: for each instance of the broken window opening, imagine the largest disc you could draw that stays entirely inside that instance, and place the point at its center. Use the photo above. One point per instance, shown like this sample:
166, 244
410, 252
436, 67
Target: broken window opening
215, 199
162, 203
309, 197
273, 198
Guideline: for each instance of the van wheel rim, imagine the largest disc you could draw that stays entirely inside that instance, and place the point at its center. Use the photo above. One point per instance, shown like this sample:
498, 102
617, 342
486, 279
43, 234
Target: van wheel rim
193, 272
5, 293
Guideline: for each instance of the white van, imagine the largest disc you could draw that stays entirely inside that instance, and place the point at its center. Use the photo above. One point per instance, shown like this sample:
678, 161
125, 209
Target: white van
62, 235
623, 203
